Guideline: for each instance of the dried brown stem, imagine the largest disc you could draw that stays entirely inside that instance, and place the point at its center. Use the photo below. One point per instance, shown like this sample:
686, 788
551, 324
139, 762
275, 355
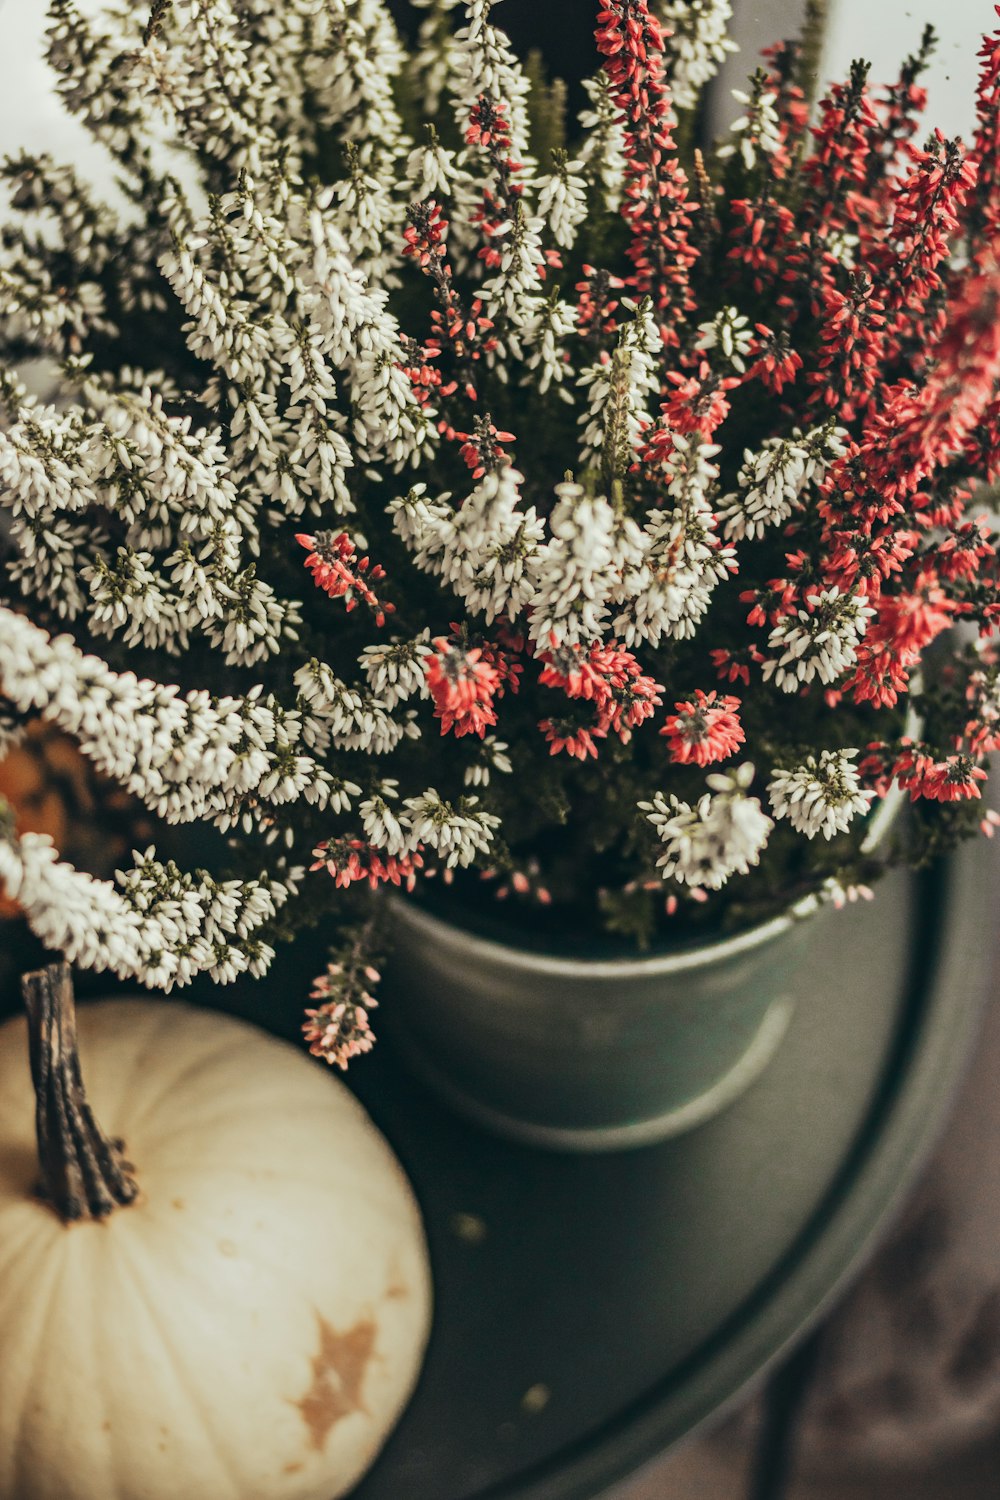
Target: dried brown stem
84, 1174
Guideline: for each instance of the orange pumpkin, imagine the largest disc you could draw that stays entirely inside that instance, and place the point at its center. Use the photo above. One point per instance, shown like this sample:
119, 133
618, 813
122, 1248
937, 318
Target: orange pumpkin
52, 788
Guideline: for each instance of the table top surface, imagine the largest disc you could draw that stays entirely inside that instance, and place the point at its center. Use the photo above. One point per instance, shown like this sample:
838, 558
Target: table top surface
592, 1310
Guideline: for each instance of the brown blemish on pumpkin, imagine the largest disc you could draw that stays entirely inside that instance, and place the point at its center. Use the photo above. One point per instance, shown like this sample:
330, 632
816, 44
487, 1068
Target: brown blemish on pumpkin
177, 1203
105, 1426
228, 1249
292, 1468
338, 1373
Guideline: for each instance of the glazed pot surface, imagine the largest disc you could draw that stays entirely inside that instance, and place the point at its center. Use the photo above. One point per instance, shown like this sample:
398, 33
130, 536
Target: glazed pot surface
590, 1054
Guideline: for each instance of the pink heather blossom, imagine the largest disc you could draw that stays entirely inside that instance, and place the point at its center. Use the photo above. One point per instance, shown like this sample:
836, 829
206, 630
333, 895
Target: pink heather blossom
338, 1029
703, 729
574, 740
607, 676
463, 684
353, 860
337, 570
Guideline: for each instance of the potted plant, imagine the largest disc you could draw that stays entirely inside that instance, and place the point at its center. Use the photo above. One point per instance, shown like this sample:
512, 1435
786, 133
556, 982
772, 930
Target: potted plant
639, 479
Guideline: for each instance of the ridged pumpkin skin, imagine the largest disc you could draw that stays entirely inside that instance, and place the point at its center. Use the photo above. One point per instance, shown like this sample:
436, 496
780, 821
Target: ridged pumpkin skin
252, 1326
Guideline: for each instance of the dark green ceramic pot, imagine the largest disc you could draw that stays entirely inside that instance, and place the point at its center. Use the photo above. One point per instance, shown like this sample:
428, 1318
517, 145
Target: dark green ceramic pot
597, 1054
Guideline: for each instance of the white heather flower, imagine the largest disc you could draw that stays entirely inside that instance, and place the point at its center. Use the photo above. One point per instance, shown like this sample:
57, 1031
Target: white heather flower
337, 715
367, 218
157, 925
395, 669
722, 835
773, 479
432, 171
436, 61
842, 245
456, 834
729, 332
621, 388
820, 796
350, 66
341, 794
562, 199
683, 558
486, 64
541, 340
486, 550
819, 642
380, 821
185, 756
519, 276
757, 129
356, 331
602, 152
572, 572
697, 46
493, 757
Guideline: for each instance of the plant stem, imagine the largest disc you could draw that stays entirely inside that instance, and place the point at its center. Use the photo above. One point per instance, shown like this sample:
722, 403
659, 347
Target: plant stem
84, 1174
812, 37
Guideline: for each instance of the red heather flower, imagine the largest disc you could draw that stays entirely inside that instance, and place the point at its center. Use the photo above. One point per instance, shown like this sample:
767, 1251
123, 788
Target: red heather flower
914, 767
656, 207
353, 860
837, 170
985, 152
630, 697
598, 303
576, 741
762, 233
983, 728
969, 546
489, 129
607, 676
693, 403
488, 125
908, 622
877, 769
481, 449
734, 666
925, 209
525, 883
953, 780
790, 104
899, 112
425, 234
871, 495
337, 570
704, 729
905, 625
425, 378
852, 336
771, 605
501, 659
567, 667
465, 333
338, 1029
463, 686
775, 363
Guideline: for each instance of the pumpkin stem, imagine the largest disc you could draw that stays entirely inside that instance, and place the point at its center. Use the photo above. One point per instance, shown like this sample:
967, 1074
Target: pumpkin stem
84, 1174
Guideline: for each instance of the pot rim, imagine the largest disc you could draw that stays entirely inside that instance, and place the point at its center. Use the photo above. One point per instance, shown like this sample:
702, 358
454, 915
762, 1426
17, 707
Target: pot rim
701, 956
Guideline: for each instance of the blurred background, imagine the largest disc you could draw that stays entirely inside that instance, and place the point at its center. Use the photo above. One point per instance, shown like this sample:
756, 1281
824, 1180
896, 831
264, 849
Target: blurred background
897, 1397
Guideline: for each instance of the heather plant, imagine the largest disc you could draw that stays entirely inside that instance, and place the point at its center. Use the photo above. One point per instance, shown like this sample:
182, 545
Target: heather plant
427, 488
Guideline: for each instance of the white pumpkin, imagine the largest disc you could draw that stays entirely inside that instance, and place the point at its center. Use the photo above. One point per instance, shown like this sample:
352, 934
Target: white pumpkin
250, 1327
